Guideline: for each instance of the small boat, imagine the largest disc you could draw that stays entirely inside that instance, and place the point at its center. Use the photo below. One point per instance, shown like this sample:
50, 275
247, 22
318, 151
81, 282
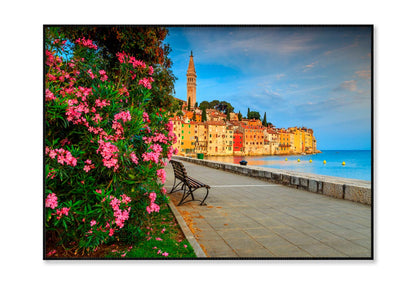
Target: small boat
243, 162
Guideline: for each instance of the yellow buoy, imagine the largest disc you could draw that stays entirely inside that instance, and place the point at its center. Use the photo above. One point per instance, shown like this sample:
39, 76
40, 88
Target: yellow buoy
343, 163
298, 160
310, 160
285, 159
324, 161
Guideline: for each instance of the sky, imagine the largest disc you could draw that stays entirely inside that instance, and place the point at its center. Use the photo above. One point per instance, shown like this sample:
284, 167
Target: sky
314, 77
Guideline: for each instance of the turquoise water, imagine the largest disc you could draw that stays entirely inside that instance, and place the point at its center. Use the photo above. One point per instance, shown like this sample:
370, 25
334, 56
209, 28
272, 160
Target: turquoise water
357, 163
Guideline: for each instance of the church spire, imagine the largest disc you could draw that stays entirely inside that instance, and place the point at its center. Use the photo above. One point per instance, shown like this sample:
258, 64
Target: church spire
191, 82
191, 66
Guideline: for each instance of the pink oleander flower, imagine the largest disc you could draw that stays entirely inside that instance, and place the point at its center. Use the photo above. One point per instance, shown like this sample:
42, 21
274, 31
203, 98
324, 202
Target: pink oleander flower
103, 75
93, 222
153, 207
52, 252
151, 70
146, 82
101, 103
152, 196
63, 211
163, 190
124, 116
125, 199
134, 158
146, 117
162, 175
49, 95
185, 246
158, 239
86, 42
51, 201
165, 254
91, 74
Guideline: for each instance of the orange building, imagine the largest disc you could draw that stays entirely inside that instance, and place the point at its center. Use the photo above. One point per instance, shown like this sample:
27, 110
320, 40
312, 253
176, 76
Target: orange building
253, 139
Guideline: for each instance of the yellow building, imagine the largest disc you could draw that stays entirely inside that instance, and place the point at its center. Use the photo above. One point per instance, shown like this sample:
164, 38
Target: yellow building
188, 133
201, 137
215, 138
228, 140
286, 142
298, 139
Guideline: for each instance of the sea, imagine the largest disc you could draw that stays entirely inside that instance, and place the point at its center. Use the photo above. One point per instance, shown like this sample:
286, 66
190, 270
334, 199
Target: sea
358, 163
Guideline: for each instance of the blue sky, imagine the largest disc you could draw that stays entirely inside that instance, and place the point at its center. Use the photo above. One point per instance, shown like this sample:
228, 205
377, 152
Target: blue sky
316, 77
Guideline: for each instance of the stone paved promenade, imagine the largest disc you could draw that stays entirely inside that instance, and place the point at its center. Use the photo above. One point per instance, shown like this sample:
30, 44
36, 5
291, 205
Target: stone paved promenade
246, 217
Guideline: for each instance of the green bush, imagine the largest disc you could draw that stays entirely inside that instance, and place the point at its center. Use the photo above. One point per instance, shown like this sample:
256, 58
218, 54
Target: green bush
104, 154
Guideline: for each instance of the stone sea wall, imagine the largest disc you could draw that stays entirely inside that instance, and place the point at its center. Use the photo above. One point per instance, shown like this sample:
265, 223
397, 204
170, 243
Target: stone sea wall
342, 188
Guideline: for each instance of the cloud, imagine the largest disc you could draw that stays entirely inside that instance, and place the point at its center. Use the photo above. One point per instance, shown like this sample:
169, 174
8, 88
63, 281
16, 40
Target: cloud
366, 74
278, 76
347, 85
310, 66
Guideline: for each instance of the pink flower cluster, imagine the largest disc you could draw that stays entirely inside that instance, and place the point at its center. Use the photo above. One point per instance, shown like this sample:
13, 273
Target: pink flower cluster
86, 42
157, 137
108, 152
163, 190
171, 135
124, 91
164, 253
120, 215
103, 75
134, 158
154, 154
161, 174
153, 207
88, 165
63, 156
124, 58
61, 212
101, 103
124, 116
49, 95
171, 151
151, 70
146, 117
51, 201
146, 82
90, 73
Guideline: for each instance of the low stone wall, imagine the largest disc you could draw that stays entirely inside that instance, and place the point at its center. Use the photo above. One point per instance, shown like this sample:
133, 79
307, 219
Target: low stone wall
342, 188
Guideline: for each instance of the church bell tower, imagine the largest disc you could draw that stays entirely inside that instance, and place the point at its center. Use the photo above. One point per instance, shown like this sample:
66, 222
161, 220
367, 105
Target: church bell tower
191, 82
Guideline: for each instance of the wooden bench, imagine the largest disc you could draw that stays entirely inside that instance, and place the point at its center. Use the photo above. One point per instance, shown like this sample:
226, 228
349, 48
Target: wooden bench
186, 183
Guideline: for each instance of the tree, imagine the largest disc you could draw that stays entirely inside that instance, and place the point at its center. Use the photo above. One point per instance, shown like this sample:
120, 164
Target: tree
264, 120
194, 116
204, 114
196, 104
248, 113
254, 115
213, 104
144, 43
189, 104
228, 116
204, 104
239, 116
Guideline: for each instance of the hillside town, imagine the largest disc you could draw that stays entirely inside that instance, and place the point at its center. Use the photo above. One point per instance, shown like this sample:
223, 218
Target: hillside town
214, 133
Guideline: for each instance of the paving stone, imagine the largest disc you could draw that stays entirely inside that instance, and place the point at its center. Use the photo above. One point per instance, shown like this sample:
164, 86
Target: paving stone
244, 215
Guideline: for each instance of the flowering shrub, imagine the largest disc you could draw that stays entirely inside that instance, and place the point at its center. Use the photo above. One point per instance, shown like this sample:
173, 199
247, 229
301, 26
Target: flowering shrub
105, 150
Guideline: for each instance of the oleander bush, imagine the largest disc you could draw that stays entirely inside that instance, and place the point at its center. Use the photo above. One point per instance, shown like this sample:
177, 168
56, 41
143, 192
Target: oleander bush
105, 145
